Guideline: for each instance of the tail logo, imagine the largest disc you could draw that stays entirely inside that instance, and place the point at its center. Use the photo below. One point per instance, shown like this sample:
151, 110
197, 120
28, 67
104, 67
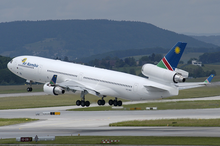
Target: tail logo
53, 80
177, 50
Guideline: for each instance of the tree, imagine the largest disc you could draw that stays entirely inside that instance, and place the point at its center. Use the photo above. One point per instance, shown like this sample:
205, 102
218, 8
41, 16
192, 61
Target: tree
132, 71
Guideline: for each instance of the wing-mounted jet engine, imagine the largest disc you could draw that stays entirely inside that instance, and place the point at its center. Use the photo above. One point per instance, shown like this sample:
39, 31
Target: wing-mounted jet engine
51, 88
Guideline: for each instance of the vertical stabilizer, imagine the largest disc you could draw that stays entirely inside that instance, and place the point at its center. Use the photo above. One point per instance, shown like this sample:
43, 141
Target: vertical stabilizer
53, 80
171, 60
209, 79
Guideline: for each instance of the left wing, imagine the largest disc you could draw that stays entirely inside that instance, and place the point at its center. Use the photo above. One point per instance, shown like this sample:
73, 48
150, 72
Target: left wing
75, 86
196, 84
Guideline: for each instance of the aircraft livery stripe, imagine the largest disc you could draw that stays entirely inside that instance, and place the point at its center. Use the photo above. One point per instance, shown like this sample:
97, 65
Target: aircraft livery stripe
161, 64
207, 81
167, 64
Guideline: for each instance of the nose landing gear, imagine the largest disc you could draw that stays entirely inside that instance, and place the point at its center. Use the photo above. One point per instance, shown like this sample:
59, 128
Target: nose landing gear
29, 89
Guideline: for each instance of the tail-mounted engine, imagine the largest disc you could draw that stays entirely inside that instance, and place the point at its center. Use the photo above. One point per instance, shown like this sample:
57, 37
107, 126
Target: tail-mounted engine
156, 73
53, 90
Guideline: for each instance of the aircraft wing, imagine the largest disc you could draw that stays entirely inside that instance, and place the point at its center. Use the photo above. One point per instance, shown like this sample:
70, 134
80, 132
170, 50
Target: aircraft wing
75, 86
183, 86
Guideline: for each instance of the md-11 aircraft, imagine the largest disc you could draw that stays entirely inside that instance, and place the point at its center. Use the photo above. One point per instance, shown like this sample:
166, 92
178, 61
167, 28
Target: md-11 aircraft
160, 81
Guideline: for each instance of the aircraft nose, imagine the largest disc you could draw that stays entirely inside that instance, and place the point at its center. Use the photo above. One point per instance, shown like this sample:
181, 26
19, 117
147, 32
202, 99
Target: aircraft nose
9, 65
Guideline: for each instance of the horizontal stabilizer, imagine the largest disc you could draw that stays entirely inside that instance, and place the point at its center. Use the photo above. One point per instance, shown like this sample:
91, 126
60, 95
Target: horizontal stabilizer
195, 84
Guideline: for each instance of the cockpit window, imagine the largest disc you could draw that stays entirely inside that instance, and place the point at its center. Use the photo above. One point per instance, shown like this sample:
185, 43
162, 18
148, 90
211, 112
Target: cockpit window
11, 61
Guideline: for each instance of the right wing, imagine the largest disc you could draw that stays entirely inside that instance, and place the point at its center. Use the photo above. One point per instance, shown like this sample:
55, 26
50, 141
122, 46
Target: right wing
183, 86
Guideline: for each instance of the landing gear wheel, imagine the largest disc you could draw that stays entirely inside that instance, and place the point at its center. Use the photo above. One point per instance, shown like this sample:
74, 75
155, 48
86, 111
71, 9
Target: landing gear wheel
29, 89
110, 102
101, 102
115, 103
119, 103
87, 103
83, 103
78, 102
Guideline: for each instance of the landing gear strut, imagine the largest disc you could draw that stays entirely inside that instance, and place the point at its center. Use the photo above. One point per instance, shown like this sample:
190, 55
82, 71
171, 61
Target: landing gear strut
83, 102
115, 102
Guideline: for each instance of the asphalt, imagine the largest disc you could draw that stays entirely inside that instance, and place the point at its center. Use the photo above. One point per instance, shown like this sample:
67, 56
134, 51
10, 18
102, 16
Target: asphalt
96, 122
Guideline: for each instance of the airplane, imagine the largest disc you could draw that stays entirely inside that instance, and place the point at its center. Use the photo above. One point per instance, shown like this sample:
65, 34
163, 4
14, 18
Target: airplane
160, 81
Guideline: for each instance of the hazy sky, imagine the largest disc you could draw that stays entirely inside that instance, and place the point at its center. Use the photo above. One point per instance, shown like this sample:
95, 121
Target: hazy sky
181, 16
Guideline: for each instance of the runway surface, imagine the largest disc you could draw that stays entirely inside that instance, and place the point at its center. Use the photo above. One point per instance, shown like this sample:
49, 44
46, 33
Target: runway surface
96, 122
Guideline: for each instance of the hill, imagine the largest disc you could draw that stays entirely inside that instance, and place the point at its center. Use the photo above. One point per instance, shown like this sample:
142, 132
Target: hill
83, 38
214, 39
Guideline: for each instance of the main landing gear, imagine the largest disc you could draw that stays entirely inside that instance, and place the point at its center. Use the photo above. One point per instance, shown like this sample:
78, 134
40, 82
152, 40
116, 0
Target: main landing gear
110, 102
83, 102
115, 102
101, 101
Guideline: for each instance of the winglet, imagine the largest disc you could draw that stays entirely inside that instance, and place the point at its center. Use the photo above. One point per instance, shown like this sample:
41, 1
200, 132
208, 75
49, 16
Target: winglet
171, 60
53, 80
209, 79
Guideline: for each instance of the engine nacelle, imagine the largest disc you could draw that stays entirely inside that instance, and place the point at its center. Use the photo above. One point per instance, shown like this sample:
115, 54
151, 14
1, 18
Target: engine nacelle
53, 90
156, 73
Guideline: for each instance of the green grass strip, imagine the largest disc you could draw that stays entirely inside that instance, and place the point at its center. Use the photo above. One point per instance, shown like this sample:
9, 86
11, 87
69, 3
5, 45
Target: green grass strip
5, 122
172, 122
20, 88
131, 140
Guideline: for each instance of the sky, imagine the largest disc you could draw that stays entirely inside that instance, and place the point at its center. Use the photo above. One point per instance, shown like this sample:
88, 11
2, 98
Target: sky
180, 16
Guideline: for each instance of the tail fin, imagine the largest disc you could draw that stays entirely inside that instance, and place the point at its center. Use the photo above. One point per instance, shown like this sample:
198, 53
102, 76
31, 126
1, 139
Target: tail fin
171, 60
53, 80
209, 79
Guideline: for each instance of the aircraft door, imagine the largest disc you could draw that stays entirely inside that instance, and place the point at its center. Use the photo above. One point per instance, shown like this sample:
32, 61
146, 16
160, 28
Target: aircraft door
40, 78
80, 77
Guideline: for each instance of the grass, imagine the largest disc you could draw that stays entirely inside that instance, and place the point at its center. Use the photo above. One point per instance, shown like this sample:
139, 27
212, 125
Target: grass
171, 122
198, 92
5, 122
20, 88
44, 101
131, 140
70, 99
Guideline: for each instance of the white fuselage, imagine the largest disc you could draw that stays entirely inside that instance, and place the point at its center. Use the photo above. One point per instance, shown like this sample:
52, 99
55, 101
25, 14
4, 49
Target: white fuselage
106, 82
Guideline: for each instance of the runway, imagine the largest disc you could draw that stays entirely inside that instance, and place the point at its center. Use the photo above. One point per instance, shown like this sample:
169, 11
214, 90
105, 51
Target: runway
96, 123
